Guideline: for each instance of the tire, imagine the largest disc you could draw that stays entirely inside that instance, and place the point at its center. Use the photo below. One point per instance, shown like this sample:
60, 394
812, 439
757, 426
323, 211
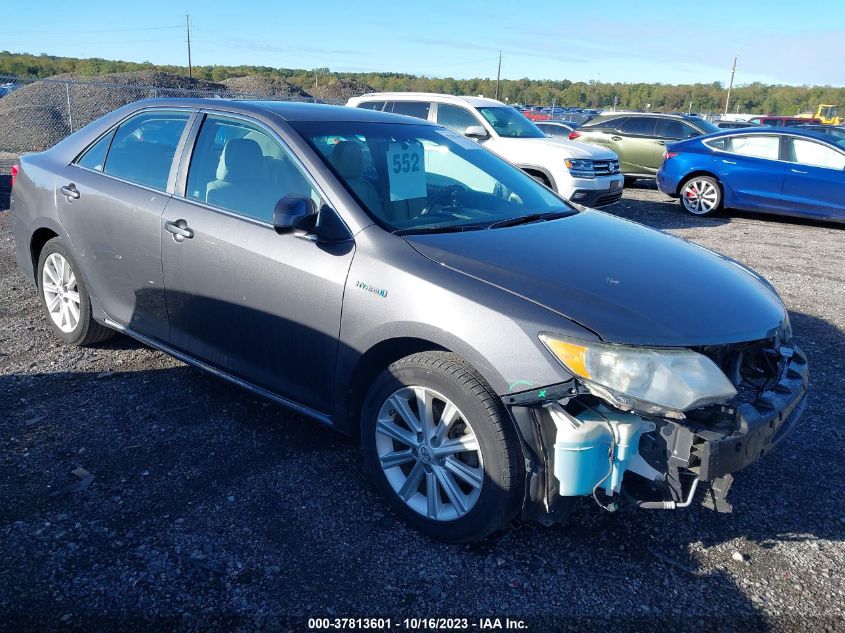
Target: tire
701, 196
457, 511
62, 288
630, 180
540, 177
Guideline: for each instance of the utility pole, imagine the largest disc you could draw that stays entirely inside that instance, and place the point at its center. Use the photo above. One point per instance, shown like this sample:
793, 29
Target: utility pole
188, 29
498, 74
731, 85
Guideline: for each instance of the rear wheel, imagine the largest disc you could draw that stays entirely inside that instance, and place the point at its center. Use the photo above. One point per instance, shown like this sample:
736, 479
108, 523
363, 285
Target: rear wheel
439, 447
65, 298
630, 180
701, 195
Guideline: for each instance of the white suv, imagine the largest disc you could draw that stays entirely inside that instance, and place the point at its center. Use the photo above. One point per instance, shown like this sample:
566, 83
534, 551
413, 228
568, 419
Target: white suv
582, 173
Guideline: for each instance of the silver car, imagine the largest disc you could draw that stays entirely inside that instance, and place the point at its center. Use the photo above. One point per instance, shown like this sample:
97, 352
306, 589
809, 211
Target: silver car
498, 352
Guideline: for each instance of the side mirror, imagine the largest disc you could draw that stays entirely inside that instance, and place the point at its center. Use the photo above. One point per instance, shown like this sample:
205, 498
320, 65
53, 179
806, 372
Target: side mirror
294, 213
476, 131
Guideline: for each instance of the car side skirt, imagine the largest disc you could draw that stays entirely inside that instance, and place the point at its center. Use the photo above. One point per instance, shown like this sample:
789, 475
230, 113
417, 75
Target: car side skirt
190, 360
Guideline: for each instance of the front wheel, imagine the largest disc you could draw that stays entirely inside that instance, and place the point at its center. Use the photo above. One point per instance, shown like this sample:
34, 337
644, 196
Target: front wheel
701, 195
439, 447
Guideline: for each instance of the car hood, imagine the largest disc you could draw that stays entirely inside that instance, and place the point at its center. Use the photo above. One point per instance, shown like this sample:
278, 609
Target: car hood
571, 149
627, 283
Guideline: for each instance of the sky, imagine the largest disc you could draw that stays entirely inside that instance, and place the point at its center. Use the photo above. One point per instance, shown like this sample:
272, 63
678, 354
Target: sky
613, 40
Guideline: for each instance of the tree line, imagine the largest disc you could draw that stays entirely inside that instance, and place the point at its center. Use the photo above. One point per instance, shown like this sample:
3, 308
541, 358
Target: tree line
755, 97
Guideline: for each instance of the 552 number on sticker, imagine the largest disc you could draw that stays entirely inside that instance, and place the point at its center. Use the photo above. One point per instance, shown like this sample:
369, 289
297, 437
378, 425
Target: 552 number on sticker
406, 170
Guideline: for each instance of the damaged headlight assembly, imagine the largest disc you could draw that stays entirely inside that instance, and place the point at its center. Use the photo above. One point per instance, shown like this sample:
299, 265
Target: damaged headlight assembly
659, 381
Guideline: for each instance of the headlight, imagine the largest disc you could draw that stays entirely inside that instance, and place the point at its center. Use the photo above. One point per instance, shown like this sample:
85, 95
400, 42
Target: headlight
648, 379
580, 168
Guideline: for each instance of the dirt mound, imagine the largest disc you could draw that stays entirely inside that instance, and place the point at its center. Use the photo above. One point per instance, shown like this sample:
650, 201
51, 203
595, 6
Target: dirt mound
341, 89
265, 87
35, 116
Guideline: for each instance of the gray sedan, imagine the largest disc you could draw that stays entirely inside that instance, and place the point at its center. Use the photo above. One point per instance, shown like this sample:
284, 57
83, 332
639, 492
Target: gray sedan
498, 352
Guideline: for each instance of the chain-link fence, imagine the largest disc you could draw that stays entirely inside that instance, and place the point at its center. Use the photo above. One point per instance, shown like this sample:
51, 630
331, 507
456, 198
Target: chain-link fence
35, 114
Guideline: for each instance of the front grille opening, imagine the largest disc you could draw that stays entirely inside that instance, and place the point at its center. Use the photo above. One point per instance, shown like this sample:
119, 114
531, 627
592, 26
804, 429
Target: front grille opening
753, 368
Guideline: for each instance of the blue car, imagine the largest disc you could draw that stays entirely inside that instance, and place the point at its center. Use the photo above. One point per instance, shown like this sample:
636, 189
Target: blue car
788, 172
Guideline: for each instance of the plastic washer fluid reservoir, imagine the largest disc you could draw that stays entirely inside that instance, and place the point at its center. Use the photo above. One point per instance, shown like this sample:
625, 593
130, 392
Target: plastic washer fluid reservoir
582, 446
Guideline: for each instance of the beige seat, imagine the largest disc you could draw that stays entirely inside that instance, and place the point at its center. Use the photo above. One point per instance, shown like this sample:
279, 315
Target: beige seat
242, 184
348, 160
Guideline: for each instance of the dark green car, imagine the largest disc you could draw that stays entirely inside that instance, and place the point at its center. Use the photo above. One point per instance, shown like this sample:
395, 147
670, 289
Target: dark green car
640, 139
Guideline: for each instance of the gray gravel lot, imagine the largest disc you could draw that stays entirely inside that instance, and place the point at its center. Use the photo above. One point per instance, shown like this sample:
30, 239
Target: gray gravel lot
211, 509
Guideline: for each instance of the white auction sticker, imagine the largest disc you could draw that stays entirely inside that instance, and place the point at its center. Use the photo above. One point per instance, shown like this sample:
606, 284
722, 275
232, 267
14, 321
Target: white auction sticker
406, 166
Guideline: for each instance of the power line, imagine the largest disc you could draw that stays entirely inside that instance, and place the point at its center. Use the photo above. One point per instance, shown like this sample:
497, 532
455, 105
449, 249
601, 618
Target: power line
65, 31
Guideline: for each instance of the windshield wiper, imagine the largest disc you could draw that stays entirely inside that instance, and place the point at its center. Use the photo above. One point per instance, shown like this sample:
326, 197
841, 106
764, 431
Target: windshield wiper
528, 219
441, 228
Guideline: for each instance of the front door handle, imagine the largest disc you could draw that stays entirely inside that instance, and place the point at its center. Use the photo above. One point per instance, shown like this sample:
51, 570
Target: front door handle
729, 162
180, 230
70, 191
797, 171
615, 138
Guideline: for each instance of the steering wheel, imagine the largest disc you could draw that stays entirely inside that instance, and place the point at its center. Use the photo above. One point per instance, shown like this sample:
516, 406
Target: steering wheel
446, 197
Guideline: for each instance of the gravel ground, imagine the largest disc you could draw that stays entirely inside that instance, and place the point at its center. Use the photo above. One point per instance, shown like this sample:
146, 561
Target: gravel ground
211, 509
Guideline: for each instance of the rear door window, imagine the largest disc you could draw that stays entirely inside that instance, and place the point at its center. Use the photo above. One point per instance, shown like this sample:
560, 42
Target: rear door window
371, 105
609, 124
674, 129
753, 145
418, 109
639, 126
143, 147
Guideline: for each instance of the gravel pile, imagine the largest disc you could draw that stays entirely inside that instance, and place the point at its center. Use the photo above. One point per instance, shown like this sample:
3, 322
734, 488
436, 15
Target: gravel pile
266, 86
35, 117
341, 89
213, 510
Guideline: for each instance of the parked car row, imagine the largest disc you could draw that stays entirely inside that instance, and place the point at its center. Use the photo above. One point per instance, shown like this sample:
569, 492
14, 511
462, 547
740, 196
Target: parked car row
497, 351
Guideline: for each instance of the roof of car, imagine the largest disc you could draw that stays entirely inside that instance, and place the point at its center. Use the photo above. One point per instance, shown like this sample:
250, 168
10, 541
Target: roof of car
767, 129
476, 102
664, 115
286, 110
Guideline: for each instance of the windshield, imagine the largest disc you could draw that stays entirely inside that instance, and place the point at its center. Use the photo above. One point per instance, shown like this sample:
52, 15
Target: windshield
422, 178
509, 123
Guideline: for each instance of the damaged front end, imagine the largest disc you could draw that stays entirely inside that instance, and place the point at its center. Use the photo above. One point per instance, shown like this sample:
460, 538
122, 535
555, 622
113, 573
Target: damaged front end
581, 439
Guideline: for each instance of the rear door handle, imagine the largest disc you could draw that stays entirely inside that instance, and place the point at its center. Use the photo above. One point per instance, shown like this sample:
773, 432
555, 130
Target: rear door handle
180, 230
615, 138
797, 171
70, 191
729, 162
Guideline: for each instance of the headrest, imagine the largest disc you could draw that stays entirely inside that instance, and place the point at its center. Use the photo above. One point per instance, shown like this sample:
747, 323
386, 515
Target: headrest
348, 159
241, 160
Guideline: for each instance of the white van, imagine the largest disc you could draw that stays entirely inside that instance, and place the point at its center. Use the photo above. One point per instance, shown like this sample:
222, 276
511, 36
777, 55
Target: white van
582, 173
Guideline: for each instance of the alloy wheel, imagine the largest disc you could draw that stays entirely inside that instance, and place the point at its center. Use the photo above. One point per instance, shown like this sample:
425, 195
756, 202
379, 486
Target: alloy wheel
429, 453
700, 196
61, 292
